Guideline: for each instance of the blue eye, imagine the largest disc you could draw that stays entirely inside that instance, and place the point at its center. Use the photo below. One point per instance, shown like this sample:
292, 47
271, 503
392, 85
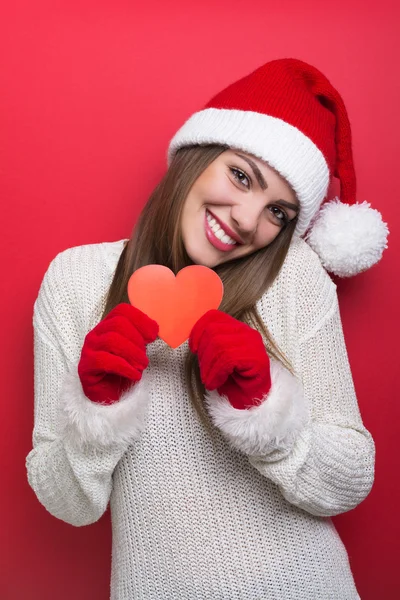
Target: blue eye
237, 173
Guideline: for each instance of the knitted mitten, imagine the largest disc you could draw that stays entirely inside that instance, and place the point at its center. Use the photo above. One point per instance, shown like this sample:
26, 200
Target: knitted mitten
232, 358
113, 355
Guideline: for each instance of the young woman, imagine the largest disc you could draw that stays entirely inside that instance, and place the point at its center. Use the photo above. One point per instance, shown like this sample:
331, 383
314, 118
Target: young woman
223, 459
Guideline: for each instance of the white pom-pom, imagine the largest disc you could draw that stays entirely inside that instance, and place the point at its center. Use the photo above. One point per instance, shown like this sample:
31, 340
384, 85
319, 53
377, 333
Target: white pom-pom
348, 238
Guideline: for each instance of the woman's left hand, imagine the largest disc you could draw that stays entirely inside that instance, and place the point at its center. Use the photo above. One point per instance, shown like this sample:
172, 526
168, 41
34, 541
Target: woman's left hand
232, 358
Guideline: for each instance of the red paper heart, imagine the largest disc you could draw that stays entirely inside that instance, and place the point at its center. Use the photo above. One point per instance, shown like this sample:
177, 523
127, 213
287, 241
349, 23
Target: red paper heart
175, 303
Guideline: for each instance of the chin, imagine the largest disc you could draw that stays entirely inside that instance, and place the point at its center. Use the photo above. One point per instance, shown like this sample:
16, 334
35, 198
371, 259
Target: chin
202, 256
200, 259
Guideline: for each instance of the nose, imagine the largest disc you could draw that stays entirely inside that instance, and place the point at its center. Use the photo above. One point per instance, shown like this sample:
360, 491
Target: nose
246, 218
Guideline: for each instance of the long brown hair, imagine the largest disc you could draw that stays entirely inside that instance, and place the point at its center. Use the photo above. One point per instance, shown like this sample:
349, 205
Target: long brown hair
156, 239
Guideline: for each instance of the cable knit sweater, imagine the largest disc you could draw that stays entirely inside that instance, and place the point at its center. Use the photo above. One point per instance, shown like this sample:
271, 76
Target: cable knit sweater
241, 513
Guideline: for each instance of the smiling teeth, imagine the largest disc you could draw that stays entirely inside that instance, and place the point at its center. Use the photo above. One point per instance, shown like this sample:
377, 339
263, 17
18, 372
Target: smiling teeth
219, 232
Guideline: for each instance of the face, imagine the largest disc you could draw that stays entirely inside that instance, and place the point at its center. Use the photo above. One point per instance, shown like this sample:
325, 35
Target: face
236, 206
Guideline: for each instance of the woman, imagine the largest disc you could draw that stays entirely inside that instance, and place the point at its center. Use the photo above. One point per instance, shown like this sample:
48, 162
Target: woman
224, 459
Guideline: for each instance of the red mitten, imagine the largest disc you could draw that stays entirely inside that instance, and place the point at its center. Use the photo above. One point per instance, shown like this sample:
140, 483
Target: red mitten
232, 358
114, 353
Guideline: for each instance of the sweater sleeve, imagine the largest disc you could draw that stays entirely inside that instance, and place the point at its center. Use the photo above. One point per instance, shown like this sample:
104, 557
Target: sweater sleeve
76, 443
307, 436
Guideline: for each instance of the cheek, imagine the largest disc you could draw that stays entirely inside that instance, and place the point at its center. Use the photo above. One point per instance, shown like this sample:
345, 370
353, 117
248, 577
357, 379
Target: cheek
213, 189
266, 234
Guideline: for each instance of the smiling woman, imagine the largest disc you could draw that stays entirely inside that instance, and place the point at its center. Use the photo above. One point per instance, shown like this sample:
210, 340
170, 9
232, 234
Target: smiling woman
224, 458
227, 205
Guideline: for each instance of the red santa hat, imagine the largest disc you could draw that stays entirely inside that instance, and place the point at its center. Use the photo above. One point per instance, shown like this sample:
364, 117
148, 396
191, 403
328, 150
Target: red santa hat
288, 114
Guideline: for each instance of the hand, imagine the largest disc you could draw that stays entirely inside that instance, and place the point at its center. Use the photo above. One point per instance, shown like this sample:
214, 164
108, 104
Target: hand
232, 358
114, 353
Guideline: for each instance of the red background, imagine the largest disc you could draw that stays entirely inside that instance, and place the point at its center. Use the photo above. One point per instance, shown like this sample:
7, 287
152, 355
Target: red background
91, 94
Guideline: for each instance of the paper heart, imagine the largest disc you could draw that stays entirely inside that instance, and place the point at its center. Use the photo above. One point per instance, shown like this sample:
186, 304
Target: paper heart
175, 303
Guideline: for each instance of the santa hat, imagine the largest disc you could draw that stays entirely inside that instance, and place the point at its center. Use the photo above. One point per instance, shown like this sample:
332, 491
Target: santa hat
288, 114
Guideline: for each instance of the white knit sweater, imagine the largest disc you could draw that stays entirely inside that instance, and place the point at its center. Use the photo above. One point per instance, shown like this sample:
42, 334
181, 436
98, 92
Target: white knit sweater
242, 513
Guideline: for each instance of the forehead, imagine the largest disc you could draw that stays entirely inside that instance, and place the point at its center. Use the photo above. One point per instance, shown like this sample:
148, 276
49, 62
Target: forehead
260, 162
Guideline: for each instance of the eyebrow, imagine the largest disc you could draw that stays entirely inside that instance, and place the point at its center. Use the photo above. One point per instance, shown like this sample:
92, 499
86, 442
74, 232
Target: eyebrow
263, 184
288, 205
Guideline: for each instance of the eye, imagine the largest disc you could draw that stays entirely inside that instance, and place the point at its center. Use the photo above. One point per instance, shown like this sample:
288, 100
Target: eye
279, 215
241, 176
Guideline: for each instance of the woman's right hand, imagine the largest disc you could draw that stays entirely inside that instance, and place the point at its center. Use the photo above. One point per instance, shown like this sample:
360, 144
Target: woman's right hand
113, 355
